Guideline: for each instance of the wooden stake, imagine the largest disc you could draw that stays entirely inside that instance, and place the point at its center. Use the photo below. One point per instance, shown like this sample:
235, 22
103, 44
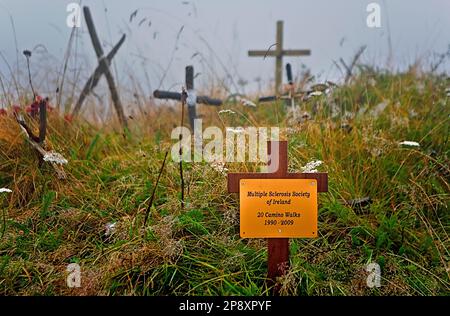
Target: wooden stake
147, 212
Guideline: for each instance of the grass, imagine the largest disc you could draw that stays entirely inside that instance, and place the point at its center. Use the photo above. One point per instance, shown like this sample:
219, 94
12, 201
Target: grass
197, 250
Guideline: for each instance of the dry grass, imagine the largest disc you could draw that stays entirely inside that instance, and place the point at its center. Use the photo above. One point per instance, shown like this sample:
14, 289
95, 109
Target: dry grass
197, 250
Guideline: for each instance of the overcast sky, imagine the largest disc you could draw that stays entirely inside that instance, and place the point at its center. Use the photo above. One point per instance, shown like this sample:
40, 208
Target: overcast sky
223, 31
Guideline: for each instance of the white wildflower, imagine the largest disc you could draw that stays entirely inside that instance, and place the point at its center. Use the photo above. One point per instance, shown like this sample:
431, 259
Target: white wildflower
110, 228
413, 113
237, 130
311, 166
55, 157
447, 92
219, 166
226, 112
249, 103
410, 143
290, 130
315, 93
5, 190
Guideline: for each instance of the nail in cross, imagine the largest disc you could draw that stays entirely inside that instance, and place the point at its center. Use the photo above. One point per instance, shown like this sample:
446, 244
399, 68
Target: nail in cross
279, 52
192, 98
278, 248
102, 69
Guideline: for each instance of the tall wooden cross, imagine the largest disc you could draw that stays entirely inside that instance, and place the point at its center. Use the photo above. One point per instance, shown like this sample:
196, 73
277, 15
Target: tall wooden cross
192, 98
278, 53
102, 69
278, 248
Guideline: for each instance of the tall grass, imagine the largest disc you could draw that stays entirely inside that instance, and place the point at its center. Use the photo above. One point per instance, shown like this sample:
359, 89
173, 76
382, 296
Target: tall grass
197, 250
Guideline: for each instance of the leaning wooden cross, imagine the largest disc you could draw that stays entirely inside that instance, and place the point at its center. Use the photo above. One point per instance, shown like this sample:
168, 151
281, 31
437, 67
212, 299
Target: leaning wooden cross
278, 205
192, 98
278, 53
102, 69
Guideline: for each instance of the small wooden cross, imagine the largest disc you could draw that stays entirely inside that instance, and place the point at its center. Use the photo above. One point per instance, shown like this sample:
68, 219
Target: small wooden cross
192, 98
279, 52
102, 69
291, 94
278, 248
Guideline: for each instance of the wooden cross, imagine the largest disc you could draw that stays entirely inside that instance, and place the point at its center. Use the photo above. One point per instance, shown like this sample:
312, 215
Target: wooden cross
291, 95
192, 98
279, 52
93, 80
102, 69
278, 248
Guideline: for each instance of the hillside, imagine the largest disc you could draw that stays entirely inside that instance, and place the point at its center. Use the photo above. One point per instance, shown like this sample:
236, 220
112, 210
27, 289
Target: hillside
95, 217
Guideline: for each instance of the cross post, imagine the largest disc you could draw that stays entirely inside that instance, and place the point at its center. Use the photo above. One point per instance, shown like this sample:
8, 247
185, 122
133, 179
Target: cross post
279, 53
278, 248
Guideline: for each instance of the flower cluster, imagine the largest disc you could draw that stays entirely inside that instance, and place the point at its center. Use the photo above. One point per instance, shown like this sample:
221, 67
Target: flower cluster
55, 157
311, 166
409, 143
32, 109
227, 112
219, 166
248, 103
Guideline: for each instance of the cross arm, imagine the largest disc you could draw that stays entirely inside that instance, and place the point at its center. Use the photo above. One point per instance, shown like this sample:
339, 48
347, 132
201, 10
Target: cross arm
273, 98
234, 179
268, 99
261, 53
209, 101
274, 53
296, 52
159, 94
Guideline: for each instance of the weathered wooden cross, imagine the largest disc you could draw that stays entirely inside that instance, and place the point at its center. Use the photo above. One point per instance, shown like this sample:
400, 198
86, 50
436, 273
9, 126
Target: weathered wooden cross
192, 98
102, 69
289, 97
278, 248
291, 94
278, 53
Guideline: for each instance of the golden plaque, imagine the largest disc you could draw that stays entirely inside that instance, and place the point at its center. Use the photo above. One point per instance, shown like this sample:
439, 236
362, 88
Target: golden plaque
278, 208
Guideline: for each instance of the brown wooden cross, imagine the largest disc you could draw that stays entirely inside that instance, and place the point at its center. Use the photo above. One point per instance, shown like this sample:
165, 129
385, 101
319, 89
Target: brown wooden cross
278, 248
279, 52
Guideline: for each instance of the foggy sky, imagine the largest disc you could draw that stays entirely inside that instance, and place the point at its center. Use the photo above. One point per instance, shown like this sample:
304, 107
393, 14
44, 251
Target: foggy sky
223, 31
